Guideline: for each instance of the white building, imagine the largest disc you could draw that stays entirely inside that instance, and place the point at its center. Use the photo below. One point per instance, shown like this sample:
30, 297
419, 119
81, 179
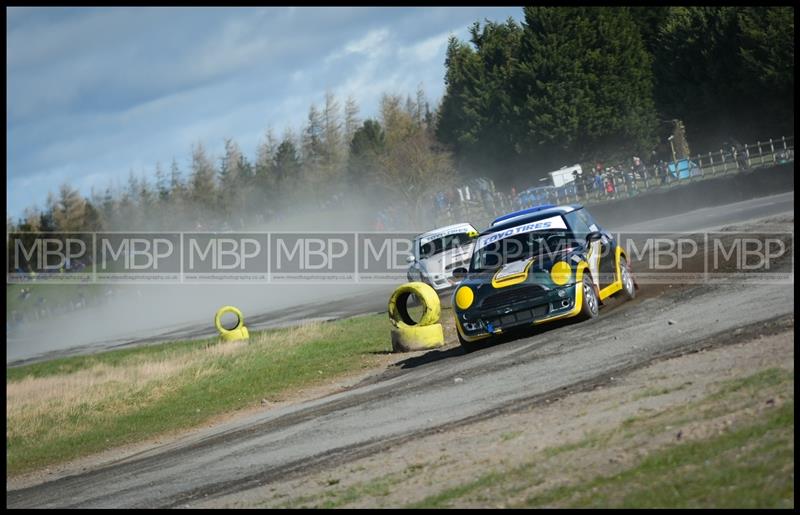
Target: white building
564, 175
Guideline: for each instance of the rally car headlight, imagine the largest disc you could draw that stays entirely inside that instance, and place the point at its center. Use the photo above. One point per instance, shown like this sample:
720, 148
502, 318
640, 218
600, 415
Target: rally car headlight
560, 273
464, 297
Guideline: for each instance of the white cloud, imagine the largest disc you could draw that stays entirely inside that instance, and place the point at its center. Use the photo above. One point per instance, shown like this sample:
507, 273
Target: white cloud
371, 45
92, 93
428, 49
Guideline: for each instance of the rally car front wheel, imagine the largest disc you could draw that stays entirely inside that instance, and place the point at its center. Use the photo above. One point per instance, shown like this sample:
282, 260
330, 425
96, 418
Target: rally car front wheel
589, 302
628, 287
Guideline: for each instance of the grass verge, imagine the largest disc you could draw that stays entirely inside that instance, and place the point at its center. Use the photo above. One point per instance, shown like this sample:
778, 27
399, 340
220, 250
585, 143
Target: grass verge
72, 407
750, 467
749, 464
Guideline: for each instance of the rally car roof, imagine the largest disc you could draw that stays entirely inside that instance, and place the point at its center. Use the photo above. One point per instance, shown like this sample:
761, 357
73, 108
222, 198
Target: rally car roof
529, 215
468, 226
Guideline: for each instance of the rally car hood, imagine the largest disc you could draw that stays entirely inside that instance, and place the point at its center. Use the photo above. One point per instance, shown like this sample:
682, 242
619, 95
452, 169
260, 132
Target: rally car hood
531, 270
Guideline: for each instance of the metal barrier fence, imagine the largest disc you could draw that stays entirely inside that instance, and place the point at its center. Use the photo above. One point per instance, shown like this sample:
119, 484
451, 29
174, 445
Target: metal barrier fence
629, 183
700, 167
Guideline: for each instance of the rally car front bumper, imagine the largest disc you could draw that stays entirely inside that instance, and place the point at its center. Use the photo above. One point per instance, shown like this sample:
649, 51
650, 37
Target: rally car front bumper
517, 308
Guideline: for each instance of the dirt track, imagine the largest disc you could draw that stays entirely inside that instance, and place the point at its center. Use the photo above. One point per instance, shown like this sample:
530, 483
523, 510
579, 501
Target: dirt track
569, 440
188, 314
428, 393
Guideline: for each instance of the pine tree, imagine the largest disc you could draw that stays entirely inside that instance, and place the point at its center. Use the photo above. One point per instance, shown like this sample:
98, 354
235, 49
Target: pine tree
265, 181
231, 179
161, 184
93, 220
94, 214
146, 198
411, 107
421, 106
202, 192
397, 123
462, 111
32, 219
70, 209
366, 148
332, 149
287, 168
47, 222
568, 83
409, 165
351, 121
132, 188
248, 196
312, 150
176, 186
710, 59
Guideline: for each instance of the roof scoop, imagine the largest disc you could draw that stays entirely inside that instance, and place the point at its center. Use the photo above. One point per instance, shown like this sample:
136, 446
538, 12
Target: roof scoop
523, 212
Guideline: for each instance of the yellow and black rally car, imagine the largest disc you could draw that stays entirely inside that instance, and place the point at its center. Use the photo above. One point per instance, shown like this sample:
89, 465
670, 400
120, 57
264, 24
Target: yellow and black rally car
538, 265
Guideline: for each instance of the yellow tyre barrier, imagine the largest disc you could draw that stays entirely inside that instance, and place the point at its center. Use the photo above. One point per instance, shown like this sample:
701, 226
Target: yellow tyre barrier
398, 311
408, 335
417, 337
239, 332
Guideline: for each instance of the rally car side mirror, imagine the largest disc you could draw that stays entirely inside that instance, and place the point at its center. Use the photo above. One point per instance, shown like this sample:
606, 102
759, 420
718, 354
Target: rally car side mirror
409, 259
459, 273
472, 234
594, 236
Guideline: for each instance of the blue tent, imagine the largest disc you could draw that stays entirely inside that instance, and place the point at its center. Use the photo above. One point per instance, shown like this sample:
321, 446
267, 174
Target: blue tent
684, 169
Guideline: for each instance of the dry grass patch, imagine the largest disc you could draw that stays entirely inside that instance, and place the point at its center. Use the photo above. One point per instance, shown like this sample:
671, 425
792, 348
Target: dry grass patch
71, 407
54, 404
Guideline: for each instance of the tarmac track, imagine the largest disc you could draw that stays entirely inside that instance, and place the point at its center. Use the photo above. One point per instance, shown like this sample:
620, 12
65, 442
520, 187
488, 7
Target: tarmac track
420, 395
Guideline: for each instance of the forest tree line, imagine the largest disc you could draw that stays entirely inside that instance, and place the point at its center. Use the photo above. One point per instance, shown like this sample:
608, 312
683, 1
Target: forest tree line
565, 85
579, 84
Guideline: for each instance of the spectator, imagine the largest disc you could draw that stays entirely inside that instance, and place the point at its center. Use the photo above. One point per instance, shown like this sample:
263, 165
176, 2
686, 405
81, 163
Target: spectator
639, 167
609, 182
580, 185
598, 181
663, 171
630, 182
741, 157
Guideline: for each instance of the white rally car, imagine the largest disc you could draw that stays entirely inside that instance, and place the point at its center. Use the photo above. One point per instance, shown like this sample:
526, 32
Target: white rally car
440, 251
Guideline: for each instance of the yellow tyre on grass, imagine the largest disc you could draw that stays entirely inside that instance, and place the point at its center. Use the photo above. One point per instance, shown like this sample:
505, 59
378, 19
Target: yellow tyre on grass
408, 335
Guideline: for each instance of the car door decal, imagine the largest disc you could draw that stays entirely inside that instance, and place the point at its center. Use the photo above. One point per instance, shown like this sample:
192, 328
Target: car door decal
607, 265
593, 258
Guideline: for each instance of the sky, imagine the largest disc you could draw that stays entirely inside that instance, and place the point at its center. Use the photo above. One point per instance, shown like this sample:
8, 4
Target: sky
93, 93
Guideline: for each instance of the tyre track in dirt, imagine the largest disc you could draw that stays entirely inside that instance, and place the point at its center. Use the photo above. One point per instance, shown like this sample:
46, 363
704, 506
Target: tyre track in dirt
370, 418
420, 396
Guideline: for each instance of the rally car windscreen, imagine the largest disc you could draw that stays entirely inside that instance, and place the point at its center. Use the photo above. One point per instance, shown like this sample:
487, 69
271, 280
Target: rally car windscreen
521, 246
451, 241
